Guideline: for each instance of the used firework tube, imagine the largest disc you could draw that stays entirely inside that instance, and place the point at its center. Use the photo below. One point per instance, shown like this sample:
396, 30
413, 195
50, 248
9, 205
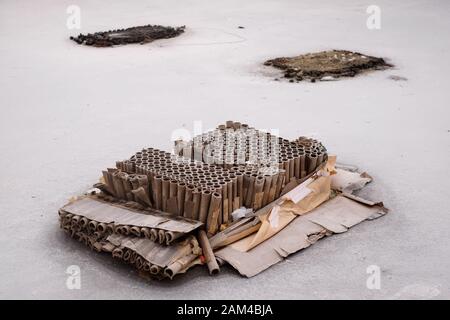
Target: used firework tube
181, 191
240, 187
161, 236
303, 165
258, 196
213, 213
154, 269
267, 185
211, 261
312, 163
154, 235
196, 195
135, 231
165, 192
157, 191
250, 192
204, 205
297, 167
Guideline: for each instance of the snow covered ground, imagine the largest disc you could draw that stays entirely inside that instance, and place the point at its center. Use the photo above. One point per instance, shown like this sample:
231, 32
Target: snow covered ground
68, 111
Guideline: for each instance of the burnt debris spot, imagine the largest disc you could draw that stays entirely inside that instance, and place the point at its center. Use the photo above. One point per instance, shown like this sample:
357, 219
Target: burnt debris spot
142, 34
326, 65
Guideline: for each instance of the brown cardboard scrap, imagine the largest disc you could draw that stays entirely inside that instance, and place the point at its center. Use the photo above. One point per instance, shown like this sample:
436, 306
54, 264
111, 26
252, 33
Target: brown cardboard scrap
348, 181
302, 199
334, 216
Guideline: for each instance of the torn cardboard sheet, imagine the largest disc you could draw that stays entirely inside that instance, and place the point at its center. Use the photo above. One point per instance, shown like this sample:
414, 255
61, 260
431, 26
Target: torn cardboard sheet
334, 216
349, 181
302, 199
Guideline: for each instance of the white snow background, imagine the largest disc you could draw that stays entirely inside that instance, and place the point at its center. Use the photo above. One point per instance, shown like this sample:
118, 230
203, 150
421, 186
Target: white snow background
69, 111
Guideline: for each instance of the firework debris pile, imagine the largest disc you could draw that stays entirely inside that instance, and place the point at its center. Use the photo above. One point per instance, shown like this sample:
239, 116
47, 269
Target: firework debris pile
326, 65
235, 185
142, 34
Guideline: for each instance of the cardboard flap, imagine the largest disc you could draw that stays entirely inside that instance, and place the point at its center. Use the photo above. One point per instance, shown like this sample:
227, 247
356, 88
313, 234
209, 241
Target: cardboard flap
339, 213
348, 181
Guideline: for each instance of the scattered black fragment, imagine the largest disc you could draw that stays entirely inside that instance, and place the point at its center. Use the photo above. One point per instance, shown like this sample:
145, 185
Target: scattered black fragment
142, 34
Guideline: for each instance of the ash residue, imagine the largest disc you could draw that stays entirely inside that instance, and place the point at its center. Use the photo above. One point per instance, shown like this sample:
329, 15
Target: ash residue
326, 65
142, 34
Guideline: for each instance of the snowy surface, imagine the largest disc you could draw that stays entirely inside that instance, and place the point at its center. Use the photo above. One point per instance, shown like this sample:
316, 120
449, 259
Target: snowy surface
68, 111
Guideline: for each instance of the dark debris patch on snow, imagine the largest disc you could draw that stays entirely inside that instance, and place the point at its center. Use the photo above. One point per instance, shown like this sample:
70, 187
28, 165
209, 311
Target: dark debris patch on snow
326, 65
141, 34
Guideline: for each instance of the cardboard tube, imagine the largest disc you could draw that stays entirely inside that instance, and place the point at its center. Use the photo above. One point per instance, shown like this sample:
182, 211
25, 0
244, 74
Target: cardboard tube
126, 186
83, 222
165, 192
157, 180
250, 192
258, 192
97, 234
181, 191
211, 262
204, 205
68, 218
320, 158
101, 227
286, 168
109, 183
125, 230
154, 269
139, 263
213, 213
117, 253
134, 181
246, 183
280, 180
119, 165
312, 162
291, 168
144, 183
146, 232
161, 236
142, 197
173, 186
129, 167
273, 187
133, 257
153, 235
303, 165
75, 220
230, 201
196, 195
267, 186
234, 190
179, 265
110, 228
118, 186
172, 235
127, 255
240, 188
297, 167
135, 231
92, 226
